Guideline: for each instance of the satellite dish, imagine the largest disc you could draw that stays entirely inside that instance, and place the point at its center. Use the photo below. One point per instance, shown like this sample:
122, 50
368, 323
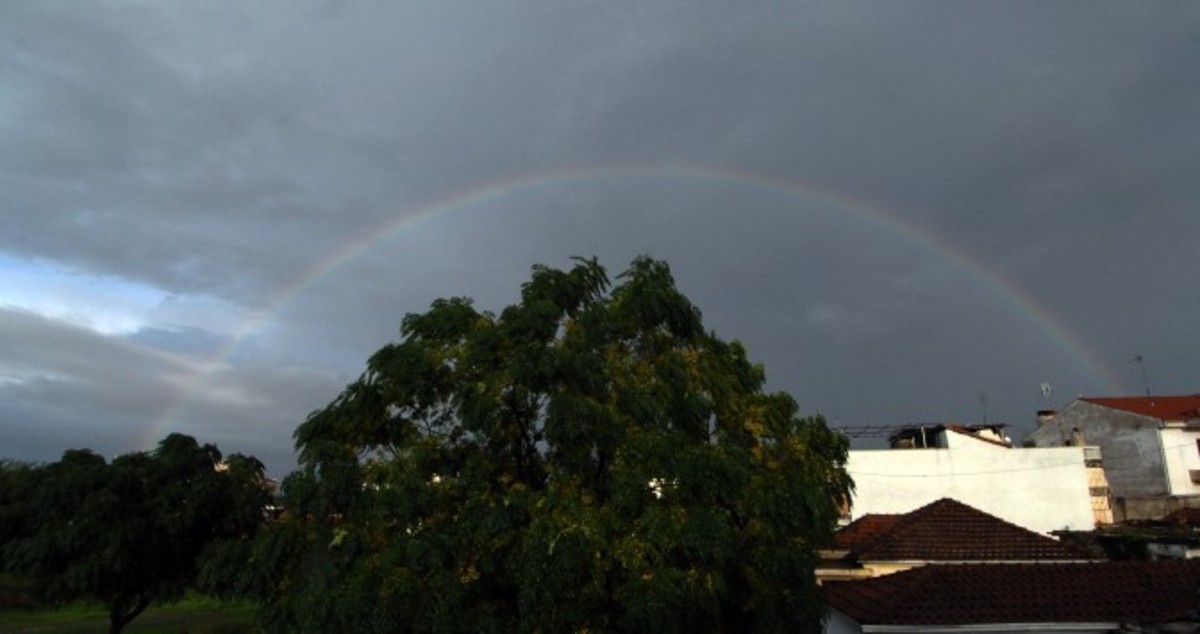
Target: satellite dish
1047, 390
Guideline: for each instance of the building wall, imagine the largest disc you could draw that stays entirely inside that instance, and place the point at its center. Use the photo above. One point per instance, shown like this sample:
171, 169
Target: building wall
1182, 455
1040, 489
1151, 508
1130, 444
1098, 488
838, 623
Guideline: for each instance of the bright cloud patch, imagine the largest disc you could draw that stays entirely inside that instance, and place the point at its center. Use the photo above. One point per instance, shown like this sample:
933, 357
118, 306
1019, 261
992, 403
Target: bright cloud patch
104, 304
108, 305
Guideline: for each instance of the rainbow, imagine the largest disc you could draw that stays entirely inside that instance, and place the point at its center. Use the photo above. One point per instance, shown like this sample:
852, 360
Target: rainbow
1019, 299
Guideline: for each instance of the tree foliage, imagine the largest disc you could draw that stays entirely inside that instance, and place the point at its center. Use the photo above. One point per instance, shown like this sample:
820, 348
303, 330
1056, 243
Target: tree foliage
127, 533
590, 459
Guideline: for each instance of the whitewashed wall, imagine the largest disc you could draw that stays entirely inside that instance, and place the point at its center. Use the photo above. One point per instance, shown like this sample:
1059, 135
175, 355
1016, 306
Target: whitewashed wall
1181, 455
1042, 489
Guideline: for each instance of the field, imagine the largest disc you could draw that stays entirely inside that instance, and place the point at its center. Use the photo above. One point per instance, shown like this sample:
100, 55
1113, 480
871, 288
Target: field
194, 614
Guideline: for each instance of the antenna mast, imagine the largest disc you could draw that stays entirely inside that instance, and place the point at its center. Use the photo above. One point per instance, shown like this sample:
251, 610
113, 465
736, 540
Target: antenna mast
1141, 361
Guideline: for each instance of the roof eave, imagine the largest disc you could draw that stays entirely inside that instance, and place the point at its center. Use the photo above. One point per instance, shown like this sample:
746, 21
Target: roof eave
975, 562
982, 628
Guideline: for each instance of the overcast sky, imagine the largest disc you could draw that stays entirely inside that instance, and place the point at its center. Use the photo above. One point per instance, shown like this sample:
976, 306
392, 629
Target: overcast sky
213, 213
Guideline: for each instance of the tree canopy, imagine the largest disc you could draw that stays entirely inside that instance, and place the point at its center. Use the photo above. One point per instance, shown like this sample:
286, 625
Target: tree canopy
127, 533
590, 459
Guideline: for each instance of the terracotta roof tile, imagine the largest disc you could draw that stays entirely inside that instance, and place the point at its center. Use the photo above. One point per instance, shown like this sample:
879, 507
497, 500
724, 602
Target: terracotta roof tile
864, 529
948, 530
1160, 407
1142, 592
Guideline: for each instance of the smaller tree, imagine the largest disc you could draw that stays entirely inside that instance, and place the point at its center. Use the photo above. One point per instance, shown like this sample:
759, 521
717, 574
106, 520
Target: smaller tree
16, 504
127, 533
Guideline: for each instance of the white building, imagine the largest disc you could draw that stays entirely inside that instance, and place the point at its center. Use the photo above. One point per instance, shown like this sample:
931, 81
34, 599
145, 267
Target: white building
1042, 489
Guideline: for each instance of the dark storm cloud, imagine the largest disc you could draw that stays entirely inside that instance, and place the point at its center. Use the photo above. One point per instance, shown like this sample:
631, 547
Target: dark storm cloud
112, 145
222, 154
65, 386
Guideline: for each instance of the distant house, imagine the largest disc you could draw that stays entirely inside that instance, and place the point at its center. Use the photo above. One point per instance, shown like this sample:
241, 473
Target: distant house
1151, 446
1042, 489
1128, 596
1176, 536
944, 531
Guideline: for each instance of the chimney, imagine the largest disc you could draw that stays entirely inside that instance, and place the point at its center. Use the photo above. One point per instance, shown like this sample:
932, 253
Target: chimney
1045, 416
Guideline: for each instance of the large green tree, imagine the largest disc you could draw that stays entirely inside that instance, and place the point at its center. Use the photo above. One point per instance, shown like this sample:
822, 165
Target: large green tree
127, 533
590, 459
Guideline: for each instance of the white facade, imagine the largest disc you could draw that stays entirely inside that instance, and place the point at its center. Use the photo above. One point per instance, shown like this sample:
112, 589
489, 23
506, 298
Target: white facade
1181, 456
1041, 489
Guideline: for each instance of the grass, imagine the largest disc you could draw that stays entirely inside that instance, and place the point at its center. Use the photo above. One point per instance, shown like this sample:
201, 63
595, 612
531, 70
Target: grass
195, 614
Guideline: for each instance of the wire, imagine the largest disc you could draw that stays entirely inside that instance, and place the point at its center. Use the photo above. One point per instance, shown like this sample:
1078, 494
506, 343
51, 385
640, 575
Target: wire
992, 471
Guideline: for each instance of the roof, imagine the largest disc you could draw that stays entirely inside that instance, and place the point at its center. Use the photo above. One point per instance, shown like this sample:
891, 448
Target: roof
1184, 516
1160, 407
974, 432
861, 531
1142, 592
948, 530
924, 433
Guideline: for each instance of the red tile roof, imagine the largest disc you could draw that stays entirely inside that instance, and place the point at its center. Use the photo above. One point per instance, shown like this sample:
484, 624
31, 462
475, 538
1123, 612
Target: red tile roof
948, 530
1141, 592
861, 531
1160, 407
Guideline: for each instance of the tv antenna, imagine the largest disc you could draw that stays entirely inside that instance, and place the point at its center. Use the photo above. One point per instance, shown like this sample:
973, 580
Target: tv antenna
1047, 391
1141, 361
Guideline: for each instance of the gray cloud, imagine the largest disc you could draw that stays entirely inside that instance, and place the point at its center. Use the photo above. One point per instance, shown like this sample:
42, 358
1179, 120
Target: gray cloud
986, 167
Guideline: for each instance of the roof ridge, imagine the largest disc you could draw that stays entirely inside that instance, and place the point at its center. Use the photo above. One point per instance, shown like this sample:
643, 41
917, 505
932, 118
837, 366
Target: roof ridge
1184, 406
923, 529
865, 529
906, 520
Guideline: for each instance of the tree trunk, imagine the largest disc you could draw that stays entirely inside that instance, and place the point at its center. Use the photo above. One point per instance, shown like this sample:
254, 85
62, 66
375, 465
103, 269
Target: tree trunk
118, 618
